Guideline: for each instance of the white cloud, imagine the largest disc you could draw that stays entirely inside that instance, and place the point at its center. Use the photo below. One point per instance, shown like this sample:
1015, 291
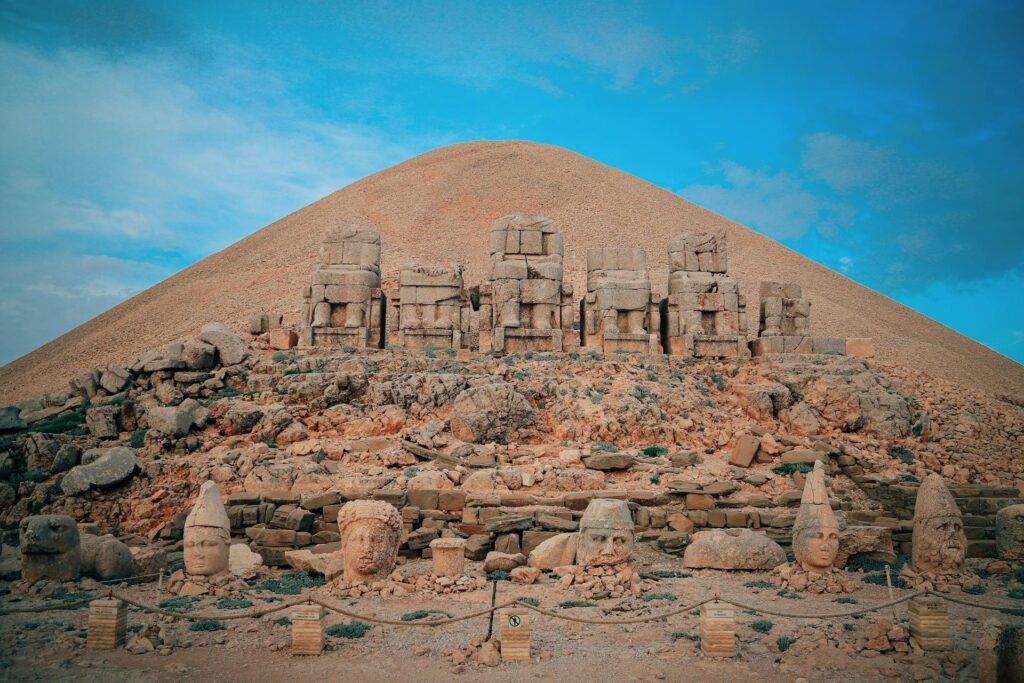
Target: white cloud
775, 204
117, 155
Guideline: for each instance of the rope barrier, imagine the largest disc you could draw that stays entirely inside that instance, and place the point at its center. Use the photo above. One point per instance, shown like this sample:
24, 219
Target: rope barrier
309, 598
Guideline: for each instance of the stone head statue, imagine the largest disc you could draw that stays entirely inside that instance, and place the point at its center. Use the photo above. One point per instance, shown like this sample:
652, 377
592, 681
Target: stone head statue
606, 533
1010, 533
369, 539
207, 534
815, 532
939, 541
50, 548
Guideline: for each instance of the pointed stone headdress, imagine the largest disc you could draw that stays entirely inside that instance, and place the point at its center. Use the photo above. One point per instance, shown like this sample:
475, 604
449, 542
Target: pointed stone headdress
815, 510
606, 513
934, 500
209, 509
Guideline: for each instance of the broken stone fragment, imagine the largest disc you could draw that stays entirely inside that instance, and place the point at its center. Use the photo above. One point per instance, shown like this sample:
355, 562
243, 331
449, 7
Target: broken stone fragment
230, 347
110, 469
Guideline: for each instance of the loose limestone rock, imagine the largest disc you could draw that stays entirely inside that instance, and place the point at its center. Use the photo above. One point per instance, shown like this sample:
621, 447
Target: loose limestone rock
110, 469
489, 412
230, 347
733, 549
557, 551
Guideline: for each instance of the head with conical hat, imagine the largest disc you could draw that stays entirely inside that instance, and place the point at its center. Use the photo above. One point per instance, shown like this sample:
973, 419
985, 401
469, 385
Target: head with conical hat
815, 532
606, 533
207, 534
939, 541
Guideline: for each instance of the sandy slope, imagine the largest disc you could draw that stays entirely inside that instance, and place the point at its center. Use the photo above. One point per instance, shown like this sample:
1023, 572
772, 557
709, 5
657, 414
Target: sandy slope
437, 208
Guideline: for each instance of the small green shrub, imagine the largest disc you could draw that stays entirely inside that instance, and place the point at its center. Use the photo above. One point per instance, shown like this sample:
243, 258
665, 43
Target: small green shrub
604, 447
138, 438
279, 357
68, 423
1015, 593
671, 574
283, 621
976, 589
846, 601
789, 595
352, 631
570, 604
423, 614
207, 625
791, 467
655, 478
654, 451
878, 579
292, 583
1018, 574
784, 642
685, 635
651, 597
720, 382
498, 575
182, 603
759, 584
861, 562
228, 602
529, 601
904, 455
762, 626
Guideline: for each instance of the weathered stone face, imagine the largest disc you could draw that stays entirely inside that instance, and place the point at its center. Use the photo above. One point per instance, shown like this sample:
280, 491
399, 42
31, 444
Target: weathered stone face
369, 539
606, 534
50, 548
815, 531
1010, 532
206, 551
207, 534
940, 545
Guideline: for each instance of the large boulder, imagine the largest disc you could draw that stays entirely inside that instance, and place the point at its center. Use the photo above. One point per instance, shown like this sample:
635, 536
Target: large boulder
243, 562
113, 466
496, 561
105, 558
489, 412
733, 549
230, 347
557, 551
10, 419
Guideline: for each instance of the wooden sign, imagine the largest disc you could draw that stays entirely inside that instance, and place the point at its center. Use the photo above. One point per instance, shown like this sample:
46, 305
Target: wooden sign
717, 630
515, 635
929, 622
307, 631
105, 628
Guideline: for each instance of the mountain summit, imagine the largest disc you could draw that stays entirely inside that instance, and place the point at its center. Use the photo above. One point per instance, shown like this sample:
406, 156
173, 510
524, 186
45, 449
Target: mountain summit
437, 208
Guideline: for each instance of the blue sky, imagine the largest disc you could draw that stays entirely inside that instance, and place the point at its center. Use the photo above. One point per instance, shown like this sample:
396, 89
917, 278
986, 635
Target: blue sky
883, 140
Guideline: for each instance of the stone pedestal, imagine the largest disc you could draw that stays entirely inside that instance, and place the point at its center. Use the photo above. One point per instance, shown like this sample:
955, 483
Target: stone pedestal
717, 630
449, 556
929, 622
106, 625
307, 632
515, 635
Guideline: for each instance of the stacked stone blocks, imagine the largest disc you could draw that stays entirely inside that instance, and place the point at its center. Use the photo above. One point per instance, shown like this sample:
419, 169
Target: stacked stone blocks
619, 312
344, 303
433, 308
525, 306
704, 315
